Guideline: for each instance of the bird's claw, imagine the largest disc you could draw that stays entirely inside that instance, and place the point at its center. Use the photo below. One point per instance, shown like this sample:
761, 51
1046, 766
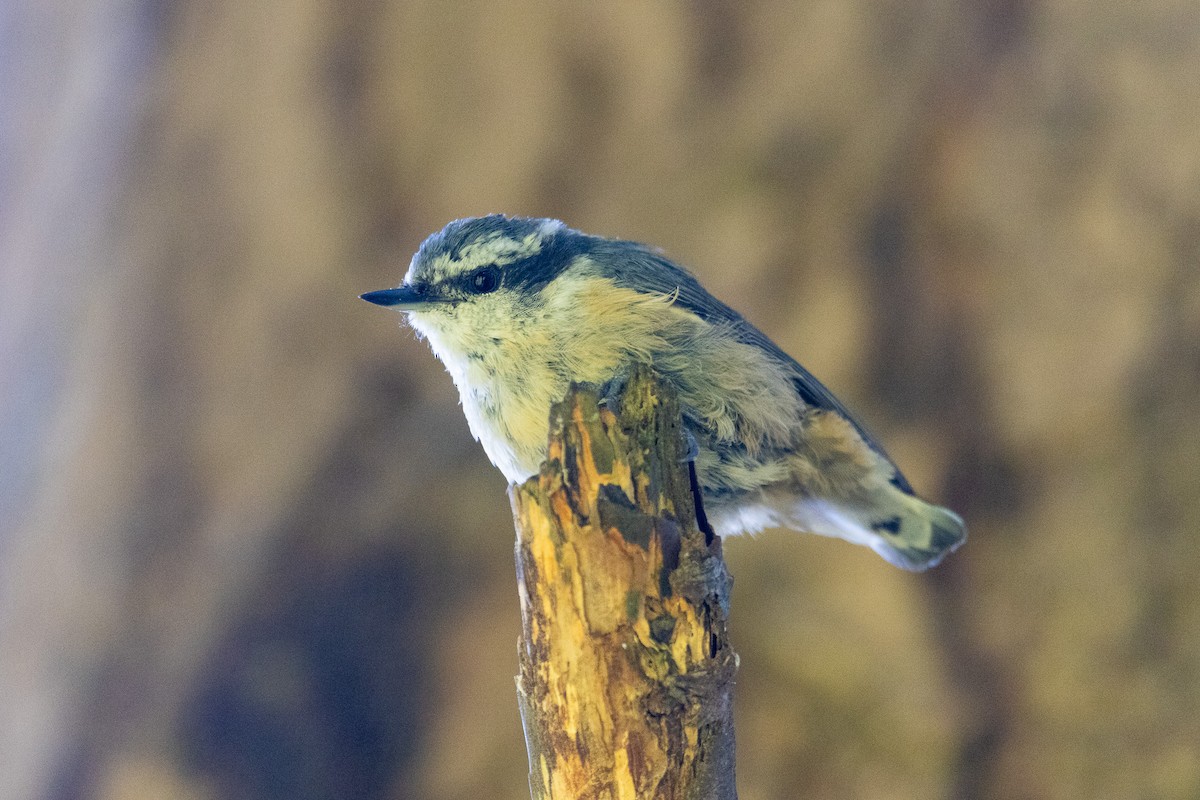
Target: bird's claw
693, 447
611, 391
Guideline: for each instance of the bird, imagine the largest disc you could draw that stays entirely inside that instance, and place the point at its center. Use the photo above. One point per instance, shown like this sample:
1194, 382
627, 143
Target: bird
519, 308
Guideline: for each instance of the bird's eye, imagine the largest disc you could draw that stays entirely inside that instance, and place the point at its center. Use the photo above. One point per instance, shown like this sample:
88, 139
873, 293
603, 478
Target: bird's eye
486, 280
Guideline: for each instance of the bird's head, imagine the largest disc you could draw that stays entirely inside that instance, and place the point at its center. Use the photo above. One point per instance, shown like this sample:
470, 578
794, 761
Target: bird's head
478, 276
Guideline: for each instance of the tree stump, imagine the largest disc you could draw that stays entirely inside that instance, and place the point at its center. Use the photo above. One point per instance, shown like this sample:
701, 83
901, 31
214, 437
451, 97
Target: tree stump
626, 670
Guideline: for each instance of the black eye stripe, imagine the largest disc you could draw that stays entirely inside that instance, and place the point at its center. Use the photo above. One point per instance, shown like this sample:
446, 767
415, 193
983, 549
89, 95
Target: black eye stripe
524, 275
484, 280
531, 273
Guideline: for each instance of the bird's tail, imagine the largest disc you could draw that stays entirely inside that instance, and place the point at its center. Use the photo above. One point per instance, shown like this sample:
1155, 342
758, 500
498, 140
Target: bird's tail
904, 529
911, 533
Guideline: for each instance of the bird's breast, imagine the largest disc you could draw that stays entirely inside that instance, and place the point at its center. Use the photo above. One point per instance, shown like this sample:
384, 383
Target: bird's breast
507, 406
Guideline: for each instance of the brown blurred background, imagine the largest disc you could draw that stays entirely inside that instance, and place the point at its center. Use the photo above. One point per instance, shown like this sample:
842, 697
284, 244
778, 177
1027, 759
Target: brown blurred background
249, 551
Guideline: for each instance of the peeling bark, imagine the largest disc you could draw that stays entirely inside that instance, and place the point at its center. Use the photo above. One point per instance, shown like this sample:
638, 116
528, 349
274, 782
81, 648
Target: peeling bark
626, 667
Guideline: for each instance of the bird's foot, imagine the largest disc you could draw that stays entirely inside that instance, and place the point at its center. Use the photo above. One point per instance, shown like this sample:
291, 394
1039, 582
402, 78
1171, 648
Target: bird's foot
701, 518
691, 446
611, 391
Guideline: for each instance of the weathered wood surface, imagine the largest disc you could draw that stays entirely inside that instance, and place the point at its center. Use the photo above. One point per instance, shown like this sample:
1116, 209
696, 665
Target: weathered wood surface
626, 667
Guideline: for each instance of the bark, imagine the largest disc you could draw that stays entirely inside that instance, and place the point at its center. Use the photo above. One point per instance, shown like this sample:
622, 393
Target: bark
626, 667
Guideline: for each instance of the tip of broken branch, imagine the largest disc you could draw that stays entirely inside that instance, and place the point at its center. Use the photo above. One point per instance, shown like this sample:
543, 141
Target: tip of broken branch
626, 667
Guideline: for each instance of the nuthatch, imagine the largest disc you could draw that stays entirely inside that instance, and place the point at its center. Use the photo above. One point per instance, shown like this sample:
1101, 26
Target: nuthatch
518, 308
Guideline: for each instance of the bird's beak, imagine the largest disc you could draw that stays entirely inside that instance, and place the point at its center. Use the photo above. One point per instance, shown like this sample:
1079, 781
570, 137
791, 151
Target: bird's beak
402, 298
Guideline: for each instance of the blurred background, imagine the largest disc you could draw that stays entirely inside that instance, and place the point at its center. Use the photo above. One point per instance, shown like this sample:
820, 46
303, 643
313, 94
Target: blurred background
249, 551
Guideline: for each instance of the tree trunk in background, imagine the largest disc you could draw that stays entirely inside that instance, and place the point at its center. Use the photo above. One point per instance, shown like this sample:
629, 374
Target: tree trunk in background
626, 668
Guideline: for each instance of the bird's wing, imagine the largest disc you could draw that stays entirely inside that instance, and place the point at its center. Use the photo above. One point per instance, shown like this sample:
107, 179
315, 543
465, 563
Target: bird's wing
665, 277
